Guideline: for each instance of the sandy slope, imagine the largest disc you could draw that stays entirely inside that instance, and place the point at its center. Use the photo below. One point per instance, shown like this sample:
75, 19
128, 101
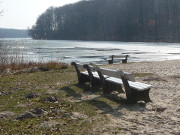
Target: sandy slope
160, 117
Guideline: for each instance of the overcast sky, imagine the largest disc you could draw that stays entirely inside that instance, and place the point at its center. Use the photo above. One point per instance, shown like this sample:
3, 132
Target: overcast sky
21, 14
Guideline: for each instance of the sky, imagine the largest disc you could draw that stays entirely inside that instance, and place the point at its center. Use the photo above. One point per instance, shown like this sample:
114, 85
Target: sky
21, 14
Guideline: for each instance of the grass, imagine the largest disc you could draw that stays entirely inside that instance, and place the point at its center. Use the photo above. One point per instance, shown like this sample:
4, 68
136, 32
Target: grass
60, 82
143, 74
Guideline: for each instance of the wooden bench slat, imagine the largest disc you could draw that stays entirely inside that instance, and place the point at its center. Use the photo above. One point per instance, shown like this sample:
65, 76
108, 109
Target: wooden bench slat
109, 72
139, 86
95, 74
85, 73
116, 80
118, 56
135, 85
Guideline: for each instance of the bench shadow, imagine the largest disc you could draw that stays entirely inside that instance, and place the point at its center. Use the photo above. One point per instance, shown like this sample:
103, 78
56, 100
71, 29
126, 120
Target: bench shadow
105, 108
124, 104
70, 92
102, 106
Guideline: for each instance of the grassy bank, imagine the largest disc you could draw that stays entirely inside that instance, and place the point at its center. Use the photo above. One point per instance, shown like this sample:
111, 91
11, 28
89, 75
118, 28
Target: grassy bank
63, 114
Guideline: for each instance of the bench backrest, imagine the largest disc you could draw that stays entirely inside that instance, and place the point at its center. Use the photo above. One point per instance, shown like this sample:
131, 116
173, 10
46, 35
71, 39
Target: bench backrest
119, 56
77, 66
127, 76
90, 69
115, 73
108, 72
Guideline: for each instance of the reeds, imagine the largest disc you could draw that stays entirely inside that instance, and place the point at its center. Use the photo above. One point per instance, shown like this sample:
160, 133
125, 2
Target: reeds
11, 57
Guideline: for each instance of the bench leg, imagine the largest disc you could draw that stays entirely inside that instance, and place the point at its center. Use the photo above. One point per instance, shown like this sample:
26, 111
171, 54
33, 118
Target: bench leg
83, 78
140, 96
95, 82
124, 61
110, 61
109, 87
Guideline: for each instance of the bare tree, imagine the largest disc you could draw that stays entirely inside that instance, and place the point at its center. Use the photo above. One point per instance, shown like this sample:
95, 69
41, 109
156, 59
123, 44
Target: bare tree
1, 10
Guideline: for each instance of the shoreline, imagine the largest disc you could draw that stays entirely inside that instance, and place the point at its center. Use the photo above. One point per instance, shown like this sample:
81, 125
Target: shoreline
157, 67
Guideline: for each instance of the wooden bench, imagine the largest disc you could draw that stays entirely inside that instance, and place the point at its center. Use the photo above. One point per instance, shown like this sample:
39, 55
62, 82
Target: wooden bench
85, 74
93, 75
135, 91
122, 58
107, 76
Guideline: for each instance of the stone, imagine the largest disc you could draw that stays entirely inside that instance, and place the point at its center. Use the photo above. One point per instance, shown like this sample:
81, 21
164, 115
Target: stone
6, 114
51, 99
32, 95
26, 115
49, 124
4, 93
76, 115
33, 113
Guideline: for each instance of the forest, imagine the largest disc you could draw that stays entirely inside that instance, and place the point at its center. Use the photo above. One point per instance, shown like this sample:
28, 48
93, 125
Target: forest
111, 20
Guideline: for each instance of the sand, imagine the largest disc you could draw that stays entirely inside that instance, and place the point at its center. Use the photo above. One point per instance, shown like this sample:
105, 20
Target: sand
162, 116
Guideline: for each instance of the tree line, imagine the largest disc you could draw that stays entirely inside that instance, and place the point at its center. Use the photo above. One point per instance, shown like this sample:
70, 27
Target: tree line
111, 20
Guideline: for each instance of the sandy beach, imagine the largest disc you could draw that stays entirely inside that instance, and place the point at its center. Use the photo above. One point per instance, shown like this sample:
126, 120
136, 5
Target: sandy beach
162, 116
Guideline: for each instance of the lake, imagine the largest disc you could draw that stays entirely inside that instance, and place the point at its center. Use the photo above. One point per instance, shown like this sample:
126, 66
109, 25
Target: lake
91, 51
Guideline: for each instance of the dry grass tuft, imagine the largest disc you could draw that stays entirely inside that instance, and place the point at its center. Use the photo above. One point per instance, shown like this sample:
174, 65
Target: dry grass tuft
42, 66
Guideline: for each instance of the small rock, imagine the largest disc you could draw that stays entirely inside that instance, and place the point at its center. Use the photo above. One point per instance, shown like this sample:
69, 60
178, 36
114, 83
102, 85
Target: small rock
26, 115
159, 109
43, 69
32, 95
39, 111
33, 113
6, 114
3, 93
76, 115
49, 124
51, 99
178, 110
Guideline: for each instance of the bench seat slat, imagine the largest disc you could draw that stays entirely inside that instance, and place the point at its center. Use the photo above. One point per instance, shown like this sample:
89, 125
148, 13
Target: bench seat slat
95, 74
85, 73
136, 85
139, 86
143, 84
118, 59
116, 80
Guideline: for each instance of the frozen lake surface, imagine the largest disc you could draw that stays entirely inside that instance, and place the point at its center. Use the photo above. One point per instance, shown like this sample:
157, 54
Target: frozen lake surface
92, 51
